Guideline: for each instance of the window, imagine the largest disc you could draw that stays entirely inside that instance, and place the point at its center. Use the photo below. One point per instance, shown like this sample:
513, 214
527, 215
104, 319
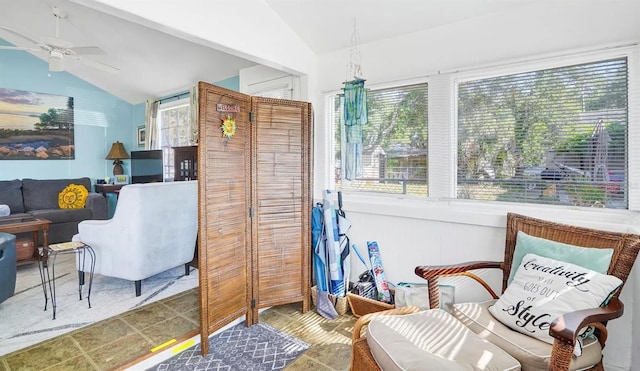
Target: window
394, 143
174, 121
280, 88
552, 136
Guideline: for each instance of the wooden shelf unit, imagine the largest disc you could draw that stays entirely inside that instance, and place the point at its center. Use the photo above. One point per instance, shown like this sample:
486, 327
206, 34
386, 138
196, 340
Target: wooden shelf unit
185, 162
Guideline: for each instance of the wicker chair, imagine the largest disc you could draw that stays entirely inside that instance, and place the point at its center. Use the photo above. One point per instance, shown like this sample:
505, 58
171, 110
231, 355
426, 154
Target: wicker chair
564, 329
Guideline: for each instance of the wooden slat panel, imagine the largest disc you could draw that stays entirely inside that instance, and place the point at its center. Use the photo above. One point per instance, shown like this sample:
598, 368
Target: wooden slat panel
281, 175
267, 167
224, 200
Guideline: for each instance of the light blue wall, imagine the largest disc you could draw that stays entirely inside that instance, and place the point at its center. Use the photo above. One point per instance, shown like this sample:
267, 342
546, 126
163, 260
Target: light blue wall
137, 119
232, 83
100, 119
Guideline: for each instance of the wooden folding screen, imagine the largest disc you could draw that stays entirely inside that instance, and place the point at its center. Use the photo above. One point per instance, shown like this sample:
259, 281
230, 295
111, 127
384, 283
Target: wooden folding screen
254, 206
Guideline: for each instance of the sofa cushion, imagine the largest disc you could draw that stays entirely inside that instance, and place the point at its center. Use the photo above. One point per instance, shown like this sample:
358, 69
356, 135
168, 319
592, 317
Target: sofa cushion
43, 194
73, 196
532, 353
11, 195
433, 338
57, 216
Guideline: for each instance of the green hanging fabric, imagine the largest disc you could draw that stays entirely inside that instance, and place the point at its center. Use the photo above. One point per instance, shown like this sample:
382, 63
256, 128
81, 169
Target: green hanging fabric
354, 109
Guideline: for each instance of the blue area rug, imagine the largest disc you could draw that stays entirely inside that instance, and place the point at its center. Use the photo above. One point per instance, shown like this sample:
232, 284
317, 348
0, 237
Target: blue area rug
259, 347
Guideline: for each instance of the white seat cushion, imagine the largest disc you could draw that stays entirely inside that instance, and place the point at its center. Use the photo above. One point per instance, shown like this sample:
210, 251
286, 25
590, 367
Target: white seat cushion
432, 340
532, 353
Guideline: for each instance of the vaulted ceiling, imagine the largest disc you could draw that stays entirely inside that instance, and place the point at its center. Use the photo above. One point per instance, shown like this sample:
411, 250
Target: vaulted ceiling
154, 62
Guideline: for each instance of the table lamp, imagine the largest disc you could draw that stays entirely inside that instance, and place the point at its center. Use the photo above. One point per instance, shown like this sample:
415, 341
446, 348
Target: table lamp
117, 153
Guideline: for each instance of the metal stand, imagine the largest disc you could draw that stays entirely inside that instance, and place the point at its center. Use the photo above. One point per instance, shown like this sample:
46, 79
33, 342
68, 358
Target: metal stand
48, 270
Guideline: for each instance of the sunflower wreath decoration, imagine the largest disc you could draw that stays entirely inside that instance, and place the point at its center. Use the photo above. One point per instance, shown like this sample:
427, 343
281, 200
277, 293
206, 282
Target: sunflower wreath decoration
228, 127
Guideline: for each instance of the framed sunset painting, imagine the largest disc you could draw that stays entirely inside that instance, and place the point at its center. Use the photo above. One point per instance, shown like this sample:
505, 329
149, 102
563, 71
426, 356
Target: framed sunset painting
35, 126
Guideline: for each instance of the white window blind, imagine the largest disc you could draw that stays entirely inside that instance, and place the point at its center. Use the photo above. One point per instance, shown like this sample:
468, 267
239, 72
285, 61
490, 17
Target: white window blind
553, 136
394, 151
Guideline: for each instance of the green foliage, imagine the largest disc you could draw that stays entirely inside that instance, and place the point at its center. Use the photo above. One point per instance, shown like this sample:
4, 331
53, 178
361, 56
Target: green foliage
511, 123
583, 194
395, 117
574, 143
60, 119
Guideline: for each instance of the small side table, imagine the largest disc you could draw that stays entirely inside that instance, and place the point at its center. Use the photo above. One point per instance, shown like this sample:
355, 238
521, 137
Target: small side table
74, 247
108, 188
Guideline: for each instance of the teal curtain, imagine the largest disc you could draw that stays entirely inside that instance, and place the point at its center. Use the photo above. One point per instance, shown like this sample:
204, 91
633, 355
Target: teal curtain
354, 117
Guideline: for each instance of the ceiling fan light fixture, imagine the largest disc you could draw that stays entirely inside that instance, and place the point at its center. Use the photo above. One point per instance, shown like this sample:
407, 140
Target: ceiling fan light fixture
56, 63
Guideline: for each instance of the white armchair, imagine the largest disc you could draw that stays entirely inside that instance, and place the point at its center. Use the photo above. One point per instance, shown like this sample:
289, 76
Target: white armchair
154, 229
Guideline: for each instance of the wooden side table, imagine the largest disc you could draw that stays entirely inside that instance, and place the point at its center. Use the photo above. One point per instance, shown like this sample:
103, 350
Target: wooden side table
108, 188
33, 224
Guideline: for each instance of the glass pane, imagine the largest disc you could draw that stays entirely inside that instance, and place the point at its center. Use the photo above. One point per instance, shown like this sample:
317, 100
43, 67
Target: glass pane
555, 136
175, 131
394, 143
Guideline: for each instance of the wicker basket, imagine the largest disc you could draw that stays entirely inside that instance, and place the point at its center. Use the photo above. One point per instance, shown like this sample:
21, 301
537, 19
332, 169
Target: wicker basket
24, 248
361, 305
340, 303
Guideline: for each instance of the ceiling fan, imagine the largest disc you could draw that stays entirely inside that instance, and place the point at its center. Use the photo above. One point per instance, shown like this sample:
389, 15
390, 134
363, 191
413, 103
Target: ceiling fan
59, 49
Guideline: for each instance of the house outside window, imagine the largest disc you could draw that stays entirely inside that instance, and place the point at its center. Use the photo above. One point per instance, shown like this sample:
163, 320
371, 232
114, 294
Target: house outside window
394, 143
551, 136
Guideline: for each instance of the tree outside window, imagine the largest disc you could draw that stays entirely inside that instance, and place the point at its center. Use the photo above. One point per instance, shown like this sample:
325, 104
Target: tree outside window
394, 150
554, 136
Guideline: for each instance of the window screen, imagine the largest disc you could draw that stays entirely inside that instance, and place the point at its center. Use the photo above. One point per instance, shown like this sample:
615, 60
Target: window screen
553, 136
394, 145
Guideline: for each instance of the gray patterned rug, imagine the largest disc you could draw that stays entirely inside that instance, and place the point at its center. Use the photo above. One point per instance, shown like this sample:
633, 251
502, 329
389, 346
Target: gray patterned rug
259, 347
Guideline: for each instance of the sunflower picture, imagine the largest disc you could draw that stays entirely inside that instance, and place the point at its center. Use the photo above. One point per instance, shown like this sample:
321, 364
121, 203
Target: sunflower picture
228, 127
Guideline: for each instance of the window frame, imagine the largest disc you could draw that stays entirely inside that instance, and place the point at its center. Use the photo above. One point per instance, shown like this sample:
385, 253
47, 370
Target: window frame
443, 143
633, 123
609, 66
168, 171
289, 83
329, 114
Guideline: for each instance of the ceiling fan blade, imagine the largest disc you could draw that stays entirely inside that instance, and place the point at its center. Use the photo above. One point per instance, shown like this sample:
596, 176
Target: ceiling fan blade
87, 50
26, 37
19, 48
55, 42
99, 65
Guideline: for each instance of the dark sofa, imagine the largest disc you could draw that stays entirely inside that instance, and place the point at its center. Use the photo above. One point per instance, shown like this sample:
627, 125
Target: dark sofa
40, 198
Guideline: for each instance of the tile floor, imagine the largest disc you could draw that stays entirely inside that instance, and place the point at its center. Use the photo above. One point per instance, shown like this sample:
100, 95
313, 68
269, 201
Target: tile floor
117, 342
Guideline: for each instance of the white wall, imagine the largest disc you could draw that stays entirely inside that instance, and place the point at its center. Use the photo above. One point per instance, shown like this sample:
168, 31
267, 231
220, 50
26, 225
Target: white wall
248, 29
414, 232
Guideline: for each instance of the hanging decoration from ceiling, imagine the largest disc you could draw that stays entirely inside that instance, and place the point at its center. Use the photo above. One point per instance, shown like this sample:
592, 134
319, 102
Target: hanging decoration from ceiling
353, 104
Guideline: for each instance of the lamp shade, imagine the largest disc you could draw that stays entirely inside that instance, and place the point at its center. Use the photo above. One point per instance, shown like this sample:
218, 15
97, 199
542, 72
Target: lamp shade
117, 152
